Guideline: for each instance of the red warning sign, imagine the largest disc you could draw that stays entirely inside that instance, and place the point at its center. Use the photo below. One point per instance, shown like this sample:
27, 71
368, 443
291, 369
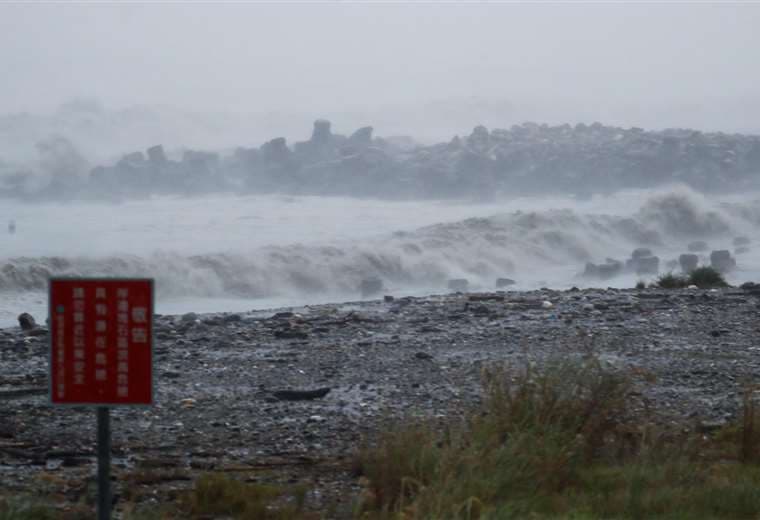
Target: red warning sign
101, 337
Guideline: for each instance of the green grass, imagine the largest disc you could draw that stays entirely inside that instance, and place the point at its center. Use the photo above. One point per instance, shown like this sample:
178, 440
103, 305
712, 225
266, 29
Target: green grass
560, 442
24, 508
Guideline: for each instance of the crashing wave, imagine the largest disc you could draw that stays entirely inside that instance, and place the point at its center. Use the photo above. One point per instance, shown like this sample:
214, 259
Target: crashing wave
522, 244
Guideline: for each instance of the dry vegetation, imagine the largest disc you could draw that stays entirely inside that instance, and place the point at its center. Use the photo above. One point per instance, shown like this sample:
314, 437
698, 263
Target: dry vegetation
567, 440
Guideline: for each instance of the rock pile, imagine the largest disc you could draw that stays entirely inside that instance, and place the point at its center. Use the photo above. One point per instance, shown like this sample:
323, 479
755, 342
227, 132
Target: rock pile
527, 158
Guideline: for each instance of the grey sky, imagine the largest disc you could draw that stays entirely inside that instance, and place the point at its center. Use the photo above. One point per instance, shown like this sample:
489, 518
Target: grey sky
632, 64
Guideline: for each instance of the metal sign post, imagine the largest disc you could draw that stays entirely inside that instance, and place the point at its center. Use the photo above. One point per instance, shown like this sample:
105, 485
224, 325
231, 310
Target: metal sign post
104, 463
101, 354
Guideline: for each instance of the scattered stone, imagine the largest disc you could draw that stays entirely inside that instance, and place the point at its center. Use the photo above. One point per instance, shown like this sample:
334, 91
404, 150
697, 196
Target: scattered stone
423, 355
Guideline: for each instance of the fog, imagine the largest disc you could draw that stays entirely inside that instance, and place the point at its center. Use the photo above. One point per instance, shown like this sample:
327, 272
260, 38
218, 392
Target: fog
239, 74
257, 155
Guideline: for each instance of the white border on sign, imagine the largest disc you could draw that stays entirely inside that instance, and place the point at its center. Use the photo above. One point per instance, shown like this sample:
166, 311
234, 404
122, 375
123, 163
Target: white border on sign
50, 341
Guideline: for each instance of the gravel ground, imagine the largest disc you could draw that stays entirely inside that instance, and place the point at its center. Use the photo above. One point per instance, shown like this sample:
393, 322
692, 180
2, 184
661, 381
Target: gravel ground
224, 399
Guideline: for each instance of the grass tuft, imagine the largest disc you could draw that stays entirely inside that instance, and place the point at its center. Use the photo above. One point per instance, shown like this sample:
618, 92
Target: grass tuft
672, 281
22, 508
219, 495
561, 442
706, 278
702, 277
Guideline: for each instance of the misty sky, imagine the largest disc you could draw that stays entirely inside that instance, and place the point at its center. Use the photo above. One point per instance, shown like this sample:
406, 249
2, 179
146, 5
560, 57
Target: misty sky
634, 64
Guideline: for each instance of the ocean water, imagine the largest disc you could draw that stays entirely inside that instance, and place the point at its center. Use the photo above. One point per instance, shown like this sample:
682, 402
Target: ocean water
232, 253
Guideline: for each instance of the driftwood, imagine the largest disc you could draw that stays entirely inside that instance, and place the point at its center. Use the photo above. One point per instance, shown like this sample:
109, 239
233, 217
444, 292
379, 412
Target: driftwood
22, 392
300, 395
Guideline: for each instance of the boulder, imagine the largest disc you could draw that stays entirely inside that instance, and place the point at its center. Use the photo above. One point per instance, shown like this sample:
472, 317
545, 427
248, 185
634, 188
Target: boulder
480, 139
370, 287
362, 137
722, 261
321, 133
458, 284
644, 265
688, 262
504, 282
641, 252
189, 317
131, 160
156, 155
609, 269
275, 150
26, 321
698, 246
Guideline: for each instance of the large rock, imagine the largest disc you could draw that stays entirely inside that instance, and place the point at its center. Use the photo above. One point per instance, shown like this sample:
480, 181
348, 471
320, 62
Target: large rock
641, 252
610, 269
644, 265
480, 139
362, 137
504, 282
722, 261
321, 133
156, 155
26, 321
689, 262
276, 150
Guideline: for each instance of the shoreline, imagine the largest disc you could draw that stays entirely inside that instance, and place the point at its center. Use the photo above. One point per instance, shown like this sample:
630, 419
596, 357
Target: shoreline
222, 379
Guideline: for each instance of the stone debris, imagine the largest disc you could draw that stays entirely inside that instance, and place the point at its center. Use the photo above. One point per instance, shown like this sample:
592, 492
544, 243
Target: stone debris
235, 394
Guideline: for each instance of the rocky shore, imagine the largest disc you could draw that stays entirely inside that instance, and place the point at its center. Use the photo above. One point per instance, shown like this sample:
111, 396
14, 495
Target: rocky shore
288, 395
